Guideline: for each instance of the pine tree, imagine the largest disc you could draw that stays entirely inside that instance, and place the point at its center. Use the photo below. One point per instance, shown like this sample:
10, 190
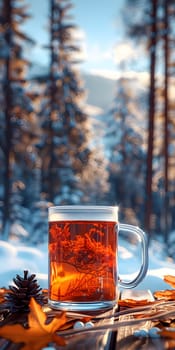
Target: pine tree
71, 166
127, 155
17, 114
156, 29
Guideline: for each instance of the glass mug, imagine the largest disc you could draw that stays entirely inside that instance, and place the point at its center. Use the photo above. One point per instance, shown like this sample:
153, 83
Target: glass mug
83, 249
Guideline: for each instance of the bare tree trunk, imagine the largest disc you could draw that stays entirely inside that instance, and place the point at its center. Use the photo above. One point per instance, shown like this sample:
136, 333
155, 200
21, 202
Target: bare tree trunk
52, 99
47, 177
166, 122
151, 119
8, 129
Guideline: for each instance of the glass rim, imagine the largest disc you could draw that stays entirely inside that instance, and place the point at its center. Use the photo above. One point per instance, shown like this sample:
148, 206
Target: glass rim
82, 207
83, 212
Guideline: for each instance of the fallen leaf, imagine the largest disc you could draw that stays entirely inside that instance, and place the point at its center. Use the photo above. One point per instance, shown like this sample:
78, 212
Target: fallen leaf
3, 292
170, 280
168, 294
134, 302
39, 334
169, 344
169, 333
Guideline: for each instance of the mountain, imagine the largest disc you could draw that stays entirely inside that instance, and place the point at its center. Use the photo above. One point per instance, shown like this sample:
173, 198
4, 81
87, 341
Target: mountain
100, 90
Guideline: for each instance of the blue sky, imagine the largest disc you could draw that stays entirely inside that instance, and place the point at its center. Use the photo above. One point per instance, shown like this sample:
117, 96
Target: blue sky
100, 27
105, 49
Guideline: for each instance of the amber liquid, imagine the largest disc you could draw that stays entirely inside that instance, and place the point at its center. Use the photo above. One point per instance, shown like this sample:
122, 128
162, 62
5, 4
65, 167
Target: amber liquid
82, 261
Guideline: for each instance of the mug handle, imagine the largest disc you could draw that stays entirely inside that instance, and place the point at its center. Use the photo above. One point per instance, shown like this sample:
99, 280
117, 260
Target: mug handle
144, 265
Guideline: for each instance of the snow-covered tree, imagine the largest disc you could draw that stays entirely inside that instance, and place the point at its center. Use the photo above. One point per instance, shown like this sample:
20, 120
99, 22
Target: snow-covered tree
127, 156
73, 170
153, 23
19, 123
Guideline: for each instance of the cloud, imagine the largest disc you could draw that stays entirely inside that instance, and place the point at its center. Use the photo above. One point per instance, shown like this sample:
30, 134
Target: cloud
78, 34
143, 76
95, 53
128, 52
79, 37
124, 55
93, 110
89, 52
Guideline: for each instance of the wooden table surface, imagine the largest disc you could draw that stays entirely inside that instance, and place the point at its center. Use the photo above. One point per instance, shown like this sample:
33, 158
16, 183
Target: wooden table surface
124, 338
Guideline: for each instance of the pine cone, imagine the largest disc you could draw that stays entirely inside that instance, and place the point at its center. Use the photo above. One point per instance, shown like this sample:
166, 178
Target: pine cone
18, 298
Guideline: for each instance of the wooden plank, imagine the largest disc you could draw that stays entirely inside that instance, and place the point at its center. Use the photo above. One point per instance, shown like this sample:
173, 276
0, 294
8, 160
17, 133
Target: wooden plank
101, 340
136, 295
125, 336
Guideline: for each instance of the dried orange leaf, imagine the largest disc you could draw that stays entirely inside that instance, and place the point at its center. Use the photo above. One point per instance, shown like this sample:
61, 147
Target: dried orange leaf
170, 280
168, 294
39, 334
167, 333
3, 291
45, 291
134, 302
1, 296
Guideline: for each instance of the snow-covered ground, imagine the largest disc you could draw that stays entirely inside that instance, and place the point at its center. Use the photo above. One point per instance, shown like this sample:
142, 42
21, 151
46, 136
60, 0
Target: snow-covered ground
159, 265
15, 258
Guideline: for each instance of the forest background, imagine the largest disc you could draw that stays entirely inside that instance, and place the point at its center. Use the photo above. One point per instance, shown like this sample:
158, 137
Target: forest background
56, 149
